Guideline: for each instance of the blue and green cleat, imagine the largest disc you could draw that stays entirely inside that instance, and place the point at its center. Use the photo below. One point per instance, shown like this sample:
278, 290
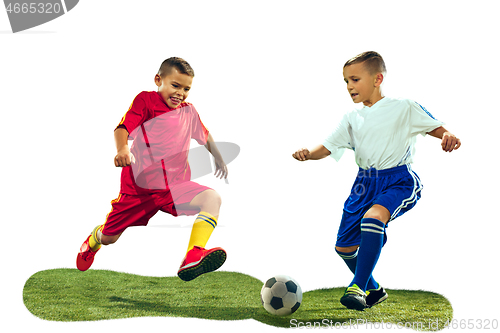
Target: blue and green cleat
354, 298
375, 296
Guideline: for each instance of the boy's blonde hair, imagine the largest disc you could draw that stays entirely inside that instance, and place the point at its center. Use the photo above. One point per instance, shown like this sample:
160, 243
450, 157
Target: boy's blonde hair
372, 61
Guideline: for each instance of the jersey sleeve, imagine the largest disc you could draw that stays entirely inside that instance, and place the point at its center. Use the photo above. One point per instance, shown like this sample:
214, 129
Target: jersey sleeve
421, 121
199, 131
135, 115
339, 139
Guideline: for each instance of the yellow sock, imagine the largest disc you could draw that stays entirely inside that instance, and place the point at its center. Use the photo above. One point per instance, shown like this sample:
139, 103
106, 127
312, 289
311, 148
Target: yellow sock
94, 242
203, 226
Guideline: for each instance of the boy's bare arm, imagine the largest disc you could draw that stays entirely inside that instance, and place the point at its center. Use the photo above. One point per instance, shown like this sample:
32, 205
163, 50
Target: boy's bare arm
449, 142
123, 156
220, 165
211, 147
316, 153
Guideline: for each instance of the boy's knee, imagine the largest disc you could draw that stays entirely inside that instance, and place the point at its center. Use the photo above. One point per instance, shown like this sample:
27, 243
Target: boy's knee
378, 212
374, 216
211, 197
217, 198
346, 249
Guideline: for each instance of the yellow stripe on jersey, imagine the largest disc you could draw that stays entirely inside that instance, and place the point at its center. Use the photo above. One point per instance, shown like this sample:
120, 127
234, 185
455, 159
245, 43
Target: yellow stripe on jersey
123, 118
130, 107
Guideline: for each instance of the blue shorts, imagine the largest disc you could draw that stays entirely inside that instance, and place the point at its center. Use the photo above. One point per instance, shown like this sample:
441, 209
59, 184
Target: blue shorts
397, 189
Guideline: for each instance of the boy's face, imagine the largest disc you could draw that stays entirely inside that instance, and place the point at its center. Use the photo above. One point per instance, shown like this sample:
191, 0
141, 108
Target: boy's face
174, 88
361, 85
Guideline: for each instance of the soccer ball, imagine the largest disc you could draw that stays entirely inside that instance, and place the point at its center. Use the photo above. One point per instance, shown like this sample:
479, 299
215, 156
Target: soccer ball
281, 295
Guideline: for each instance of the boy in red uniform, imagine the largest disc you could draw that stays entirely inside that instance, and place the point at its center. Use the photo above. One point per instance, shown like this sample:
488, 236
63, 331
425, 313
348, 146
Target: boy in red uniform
156, 174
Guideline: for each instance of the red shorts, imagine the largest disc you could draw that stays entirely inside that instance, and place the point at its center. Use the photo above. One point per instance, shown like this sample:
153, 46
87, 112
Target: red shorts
136, 210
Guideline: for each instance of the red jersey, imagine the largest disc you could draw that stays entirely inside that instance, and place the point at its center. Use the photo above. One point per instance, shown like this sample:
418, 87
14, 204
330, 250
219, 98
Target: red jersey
162, 137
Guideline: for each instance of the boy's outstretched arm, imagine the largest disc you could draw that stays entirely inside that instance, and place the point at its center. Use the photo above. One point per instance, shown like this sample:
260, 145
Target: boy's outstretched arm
123, 156
449, 142
220, 165
316, 153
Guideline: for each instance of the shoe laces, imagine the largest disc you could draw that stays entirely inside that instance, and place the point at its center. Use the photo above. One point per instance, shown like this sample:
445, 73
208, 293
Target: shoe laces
88, 254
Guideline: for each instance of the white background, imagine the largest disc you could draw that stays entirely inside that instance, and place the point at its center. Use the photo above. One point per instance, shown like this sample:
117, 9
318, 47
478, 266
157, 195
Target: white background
269, 78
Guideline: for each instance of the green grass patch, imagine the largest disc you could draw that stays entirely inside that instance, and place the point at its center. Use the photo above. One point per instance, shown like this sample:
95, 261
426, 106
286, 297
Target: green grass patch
71, 295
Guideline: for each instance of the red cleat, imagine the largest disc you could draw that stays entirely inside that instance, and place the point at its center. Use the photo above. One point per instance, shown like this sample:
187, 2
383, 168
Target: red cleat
85, 257
200, 261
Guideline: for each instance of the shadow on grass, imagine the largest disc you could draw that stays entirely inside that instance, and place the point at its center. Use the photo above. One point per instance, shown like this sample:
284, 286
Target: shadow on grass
71, 295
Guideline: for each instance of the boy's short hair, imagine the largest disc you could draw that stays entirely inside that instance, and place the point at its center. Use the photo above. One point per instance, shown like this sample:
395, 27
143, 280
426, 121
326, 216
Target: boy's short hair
175, 62
372, 60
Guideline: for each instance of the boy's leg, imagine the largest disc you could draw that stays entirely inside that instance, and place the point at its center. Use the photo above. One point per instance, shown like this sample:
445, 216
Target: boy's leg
372, 240
350, 257
208, 202
91, 245
95, 238
350, 233
89, 248
396, 191
107, 240
126, 211
198, 260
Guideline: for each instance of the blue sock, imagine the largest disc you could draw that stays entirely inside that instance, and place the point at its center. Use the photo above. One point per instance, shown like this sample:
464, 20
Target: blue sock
372, 240
351, 258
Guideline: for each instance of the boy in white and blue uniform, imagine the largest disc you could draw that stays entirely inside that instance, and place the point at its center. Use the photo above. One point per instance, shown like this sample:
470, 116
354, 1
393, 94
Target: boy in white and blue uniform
382, 135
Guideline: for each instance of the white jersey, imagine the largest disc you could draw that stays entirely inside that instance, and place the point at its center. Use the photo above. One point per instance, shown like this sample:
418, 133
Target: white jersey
382, 136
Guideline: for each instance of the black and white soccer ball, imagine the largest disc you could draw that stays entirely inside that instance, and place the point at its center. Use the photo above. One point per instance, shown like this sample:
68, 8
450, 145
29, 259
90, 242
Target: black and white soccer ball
281, 295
